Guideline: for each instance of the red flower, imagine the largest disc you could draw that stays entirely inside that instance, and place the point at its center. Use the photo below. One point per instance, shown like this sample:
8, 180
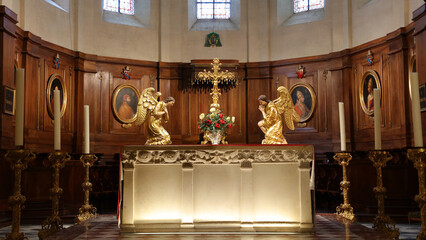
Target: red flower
221, 116
217, 125
208, 122
199, 127
230, 125
222, 121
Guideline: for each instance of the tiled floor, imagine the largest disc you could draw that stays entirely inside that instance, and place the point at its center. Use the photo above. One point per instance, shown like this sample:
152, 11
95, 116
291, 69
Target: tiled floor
328, 226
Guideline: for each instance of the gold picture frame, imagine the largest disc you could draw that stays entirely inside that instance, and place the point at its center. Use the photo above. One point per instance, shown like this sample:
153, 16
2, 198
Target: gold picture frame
9, 100
56, 82
124, 103
304, 100
366, 96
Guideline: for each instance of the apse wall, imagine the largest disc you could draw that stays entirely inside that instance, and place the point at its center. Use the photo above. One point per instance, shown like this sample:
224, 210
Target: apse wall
266, 31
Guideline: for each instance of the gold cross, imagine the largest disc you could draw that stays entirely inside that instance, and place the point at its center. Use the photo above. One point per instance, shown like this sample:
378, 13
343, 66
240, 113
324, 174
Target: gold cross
216, 77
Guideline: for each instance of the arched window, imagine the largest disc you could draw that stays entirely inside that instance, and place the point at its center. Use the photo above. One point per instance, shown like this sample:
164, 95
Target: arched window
306, 5
120, 6
213, 9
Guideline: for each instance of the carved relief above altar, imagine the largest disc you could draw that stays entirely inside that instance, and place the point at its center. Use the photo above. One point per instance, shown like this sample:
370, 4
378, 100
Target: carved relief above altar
215, 154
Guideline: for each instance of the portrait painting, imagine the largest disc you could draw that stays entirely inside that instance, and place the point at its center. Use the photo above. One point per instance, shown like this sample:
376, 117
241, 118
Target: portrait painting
125, 102
304, 100
56, 82
9, 100
370, 81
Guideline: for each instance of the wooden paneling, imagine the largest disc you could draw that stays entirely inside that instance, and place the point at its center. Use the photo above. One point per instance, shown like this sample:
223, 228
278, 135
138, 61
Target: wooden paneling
91, 80
8, 20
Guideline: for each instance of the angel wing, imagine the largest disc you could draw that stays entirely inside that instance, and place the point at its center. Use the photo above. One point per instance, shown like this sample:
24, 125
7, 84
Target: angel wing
285, 106
146, 104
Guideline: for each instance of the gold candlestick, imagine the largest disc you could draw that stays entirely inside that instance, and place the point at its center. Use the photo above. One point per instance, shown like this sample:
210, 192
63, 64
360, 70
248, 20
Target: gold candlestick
87, 211
418, 157
382, 223
18, 159
53, 223
345, 210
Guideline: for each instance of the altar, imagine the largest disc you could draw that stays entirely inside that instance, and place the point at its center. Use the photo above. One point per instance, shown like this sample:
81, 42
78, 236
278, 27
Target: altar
216, 188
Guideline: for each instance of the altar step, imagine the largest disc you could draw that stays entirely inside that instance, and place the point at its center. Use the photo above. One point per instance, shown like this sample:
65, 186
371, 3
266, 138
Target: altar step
35, 212
369, 217
5, 218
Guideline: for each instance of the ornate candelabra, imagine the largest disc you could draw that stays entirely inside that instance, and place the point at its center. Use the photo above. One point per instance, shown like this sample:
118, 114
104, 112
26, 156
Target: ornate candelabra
215, 77
382, 223
418, 157
53, 223
18, 160
87, 211
345, 210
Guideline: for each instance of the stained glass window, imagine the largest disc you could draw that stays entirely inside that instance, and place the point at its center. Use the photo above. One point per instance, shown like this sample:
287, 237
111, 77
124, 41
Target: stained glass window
306, 5
213, 9
121, 6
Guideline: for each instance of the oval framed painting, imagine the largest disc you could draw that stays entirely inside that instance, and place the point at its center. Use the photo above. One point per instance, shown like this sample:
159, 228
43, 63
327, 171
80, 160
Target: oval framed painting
370, 80
125, 103
304, 100
56, 82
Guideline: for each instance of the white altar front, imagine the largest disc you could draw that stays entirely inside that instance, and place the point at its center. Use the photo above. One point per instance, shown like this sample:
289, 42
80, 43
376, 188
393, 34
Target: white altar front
191, 188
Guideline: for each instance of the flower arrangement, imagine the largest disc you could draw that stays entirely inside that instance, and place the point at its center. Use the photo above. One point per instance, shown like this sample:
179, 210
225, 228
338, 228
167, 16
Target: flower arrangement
215, 121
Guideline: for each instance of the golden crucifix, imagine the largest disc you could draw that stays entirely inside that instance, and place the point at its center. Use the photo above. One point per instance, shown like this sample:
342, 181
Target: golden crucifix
216, 77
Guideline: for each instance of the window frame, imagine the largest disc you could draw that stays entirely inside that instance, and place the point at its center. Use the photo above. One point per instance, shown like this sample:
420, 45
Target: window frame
213, 2
140, 18
119, 8
308, 7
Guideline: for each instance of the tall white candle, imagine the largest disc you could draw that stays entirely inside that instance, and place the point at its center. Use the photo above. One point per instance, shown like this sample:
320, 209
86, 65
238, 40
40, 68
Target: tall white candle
86, 132
20, 103
377, 120
342, 126
415, 104
57, 118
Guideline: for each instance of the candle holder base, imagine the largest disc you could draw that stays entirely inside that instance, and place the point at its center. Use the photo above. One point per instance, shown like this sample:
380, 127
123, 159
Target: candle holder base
53, 223
345, 210
418, 157
18, 159
382, 223
87, 211
50, 226
385, 225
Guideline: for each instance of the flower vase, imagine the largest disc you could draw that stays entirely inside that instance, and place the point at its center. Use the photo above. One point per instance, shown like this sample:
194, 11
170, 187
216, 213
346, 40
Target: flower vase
215, 137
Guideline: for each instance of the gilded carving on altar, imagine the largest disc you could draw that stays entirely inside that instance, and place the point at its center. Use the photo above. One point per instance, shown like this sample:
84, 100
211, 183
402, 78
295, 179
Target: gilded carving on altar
180, 155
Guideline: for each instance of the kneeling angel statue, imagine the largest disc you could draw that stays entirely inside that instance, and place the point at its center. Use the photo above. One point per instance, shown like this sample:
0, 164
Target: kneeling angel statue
272, 125
156, 111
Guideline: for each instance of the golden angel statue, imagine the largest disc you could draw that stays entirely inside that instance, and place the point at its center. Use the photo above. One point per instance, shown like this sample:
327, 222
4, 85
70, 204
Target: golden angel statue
156, 111
272, 125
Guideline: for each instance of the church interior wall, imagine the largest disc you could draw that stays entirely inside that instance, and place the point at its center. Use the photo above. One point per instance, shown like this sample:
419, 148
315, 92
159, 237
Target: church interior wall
93, 73
344, 24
